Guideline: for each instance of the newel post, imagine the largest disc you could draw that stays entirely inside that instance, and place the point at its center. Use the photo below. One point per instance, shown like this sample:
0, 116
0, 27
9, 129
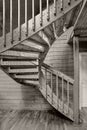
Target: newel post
76, 78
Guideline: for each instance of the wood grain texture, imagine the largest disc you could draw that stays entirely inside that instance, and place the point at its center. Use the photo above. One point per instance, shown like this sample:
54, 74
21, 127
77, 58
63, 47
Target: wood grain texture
60, 56
38, 120
17, 96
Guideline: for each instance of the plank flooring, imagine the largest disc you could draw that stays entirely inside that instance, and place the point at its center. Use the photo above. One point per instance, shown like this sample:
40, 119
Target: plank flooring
38, 120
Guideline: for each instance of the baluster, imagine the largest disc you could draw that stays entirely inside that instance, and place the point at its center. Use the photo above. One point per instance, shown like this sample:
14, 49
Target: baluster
26, 17
61, 5
63, 91
68, 95
55, 7
11, 21
46, 81
48, 11
41, 14
69, 2
19, 20
33, 16
57, 91
51, 88
4, 24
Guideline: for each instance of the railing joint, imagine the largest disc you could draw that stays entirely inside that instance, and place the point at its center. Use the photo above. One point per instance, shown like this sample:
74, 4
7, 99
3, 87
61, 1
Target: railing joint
55, 14
19, 38
48, 19
4, 45
69, 2
41, 24
61, 8
33, 28
12, 41
26, 34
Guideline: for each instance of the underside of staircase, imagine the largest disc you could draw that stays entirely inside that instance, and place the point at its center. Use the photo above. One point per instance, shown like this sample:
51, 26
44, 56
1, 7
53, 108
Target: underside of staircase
23, 49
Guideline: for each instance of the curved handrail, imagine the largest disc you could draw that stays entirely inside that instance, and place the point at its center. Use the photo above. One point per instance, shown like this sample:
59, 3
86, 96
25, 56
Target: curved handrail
54, 91
58, 73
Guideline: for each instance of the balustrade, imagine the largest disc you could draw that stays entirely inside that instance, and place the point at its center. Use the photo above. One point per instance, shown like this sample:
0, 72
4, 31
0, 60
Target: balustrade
21, 19
59, 88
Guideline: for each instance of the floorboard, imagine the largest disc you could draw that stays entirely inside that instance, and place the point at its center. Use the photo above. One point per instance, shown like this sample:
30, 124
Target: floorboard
38, 120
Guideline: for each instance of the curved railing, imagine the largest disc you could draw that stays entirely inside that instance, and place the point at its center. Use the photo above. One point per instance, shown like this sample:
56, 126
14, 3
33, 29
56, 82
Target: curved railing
28, 17
57, 88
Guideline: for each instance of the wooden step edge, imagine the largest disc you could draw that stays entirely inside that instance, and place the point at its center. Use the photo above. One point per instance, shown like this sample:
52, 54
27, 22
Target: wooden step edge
20, 54
40, 40
19, 58
30, 82
25, 47
30, 77
34, 45
20, 71
18, 63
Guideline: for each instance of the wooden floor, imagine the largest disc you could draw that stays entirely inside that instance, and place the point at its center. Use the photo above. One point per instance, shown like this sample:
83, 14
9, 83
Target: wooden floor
38, 120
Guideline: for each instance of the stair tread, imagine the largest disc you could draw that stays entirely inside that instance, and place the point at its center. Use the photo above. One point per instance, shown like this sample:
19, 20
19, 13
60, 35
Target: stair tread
40, 40
25, 70
20, 54
19, 63
26, 48
33, 44
34, 76
31, 82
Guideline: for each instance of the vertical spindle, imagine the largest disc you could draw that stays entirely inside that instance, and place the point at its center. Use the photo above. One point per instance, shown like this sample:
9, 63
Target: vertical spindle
61, 5
19, 20
4, 24
69, 2
57, 91
48, 11
41, 14
26, 16
11, 21
55, 7
52, 88
63, 92
33, 15
46, 81
68, 95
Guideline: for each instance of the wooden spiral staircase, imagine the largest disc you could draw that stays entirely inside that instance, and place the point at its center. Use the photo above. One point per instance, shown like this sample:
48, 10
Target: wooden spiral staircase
23, 50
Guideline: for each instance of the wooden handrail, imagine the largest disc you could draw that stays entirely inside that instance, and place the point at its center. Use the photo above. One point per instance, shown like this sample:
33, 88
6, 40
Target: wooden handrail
58, 73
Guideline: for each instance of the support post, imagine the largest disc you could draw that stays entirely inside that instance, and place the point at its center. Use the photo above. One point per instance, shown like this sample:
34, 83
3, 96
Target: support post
76, 78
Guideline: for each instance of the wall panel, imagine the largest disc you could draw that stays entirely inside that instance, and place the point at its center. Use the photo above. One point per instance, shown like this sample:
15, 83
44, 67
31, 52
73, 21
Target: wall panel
60, 56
